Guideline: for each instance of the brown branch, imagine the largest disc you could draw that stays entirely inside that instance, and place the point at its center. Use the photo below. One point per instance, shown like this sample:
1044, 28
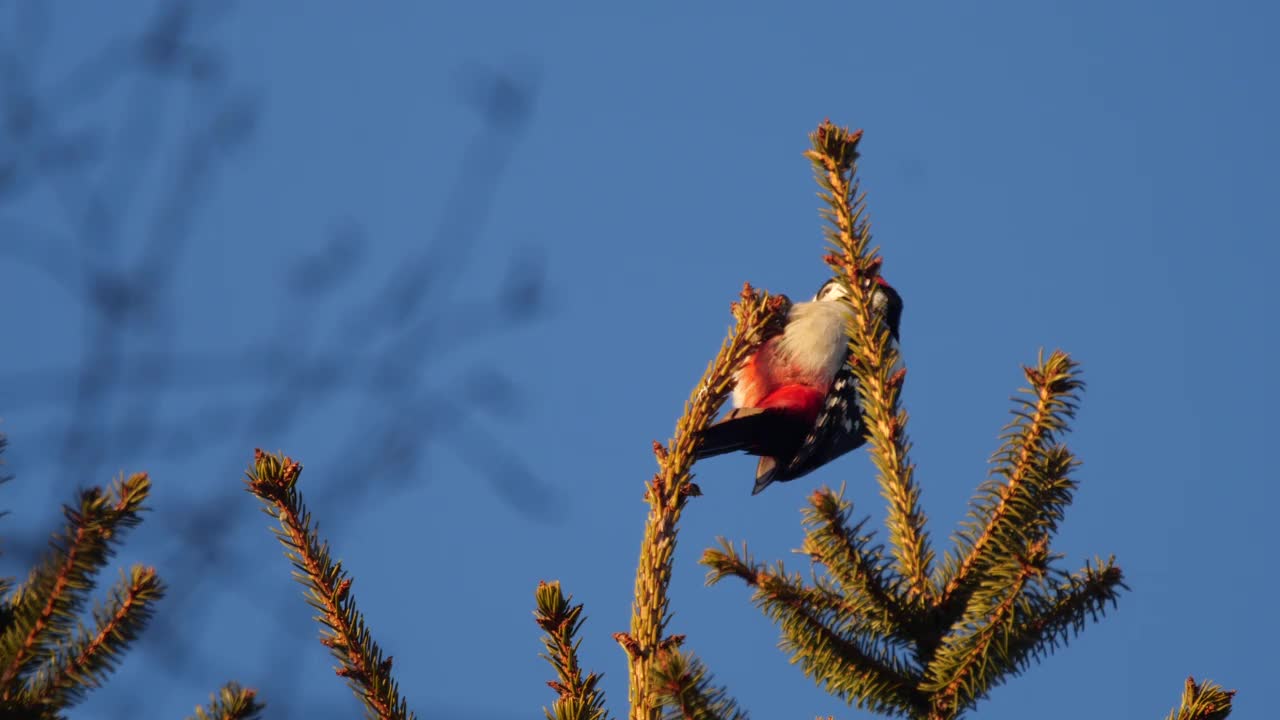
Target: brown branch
1203, 701
231, 702
1051, 381
832, 543
1030, 444
670, 489
46, 613
578, 696
874, 357
94, 525
145, 583
788, 601
897, 691
682, 682
1086, 593
947, 700
361, 667
274, 482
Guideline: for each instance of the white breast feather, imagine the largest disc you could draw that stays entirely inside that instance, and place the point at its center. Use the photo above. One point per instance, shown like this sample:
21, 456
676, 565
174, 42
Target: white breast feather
813, 344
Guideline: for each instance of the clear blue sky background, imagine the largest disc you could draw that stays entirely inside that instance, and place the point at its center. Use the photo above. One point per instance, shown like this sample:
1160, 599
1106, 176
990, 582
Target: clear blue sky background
1093, 176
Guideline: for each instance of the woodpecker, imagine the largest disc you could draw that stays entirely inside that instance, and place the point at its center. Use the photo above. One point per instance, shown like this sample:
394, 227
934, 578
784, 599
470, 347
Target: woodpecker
796, 402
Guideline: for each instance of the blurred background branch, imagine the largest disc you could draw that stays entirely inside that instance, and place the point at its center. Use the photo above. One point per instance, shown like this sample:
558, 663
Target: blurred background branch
107, 166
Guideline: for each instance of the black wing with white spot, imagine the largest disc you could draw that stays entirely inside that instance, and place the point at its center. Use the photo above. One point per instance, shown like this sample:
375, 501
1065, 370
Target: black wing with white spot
838, 429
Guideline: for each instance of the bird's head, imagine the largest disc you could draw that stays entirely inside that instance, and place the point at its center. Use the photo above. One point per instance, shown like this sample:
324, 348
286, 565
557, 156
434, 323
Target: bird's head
885, 300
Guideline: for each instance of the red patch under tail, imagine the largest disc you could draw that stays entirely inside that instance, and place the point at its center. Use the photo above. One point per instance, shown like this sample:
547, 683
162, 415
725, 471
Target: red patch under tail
801, 400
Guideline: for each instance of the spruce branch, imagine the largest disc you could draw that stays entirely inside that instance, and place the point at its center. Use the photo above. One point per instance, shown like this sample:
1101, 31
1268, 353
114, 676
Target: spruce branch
834, 646
1017, 502
776, 585
685, 690
579, 697
231, 702
1059, 612
273, 479
85, 662
867, 586
1203, 701
45, 607
972, 657
1018, 616
670, 489
873, 357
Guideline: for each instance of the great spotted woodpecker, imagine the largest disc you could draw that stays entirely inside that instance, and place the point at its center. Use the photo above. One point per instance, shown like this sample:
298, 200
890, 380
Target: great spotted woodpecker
796, 401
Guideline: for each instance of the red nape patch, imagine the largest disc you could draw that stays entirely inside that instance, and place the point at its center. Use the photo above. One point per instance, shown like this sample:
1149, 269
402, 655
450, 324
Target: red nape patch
802, 400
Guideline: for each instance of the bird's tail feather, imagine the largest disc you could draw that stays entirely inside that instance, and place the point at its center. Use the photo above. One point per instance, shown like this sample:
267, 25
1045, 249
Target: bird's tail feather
765, 471
749, 429
736, 431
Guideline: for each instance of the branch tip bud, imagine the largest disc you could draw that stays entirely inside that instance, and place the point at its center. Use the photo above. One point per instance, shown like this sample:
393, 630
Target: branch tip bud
628, 644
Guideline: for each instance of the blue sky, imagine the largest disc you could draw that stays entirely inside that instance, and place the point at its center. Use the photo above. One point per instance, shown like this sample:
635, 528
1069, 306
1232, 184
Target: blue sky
1090, 176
